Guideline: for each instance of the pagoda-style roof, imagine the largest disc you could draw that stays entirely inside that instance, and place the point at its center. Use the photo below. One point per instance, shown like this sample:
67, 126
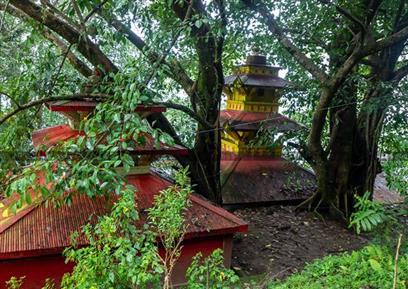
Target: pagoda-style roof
41, 230
239, 120
249, 180
51, 136
256, 73
257, 80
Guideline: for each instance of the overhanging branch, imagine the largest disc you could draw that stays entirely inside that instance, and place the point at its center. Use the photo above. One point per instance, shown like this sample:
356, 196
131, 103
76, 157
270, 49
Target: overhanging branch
28, 105
187, 111
84, 45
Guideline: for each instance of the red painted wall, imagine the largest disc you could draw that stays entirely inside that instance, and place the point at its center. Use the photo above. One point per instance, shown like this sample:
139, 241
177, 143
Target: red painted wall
40, 268
36, 270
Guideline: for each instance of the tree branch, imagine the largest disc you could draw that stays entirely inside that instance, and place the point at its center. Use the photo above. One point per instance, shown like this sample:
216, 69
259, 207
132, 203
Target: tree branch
85, 46
175, 71
187, 111
381, 44
79, 96
290, 47
77, 63
10, 97
347, 14
400, 74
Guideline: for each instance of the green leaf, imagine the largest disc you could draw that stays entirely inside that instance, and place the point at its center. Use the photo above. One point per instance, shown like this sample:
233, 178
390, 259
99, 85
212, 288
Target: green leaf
375, 265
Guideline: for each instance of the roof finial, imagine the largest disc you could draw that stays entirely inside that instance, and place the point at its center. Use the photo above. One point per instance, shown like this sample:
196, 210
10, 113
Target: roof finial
256, 50
256, 57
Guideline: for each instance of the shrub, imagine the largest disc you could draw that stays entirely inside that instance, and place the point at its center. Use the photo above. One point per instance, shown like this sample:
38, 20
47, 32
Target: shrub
371, 267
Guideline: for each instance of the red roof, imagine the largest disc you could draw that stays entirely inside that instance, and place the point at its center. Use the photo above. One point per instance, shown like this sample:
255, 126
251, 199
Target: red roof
53, 135
45, 230
244, 120
263, 179
88, 106
57, 134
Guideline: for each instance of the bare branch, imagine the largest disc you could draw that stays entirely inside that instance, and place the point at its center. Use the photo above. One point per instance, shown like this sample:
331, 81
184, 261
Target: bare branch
290, 47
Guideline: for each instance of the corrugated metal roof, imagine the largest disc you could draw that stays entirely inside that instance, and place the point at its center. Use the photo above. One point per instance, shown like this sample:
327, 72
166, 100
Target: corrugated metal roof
263, 180
258, 80
88, 106
57, 134
243, 120
47, 230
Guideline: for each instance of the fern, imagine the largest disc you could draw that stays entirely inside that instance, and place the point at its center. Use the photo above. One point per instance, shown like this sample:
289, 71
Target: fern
368, 214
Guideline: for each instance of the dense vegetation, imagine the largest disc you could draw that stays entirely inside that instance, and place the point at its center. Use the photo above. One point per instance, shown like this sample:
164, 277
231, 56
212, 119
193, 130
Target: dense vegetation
347, 60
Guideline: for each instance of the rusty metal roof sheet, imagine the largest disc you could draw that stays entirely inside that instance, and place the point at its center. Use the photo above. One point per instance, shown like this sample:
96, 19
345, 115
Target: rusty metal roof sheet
243, 120
258, 80
263, 180
47, 230
57, 134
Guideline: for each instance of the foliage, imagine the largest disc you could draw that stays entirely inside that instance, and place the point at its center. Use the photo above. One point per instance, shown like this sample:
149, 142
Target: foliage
123, 254
210, 273
15, 283
368, 214
370, 267
396, 167
119, 254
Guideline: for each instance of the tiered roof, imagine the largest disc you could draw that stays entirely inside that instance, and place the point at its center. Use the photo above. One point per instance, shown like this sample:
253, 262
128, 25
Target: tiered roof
38, 229
252, 173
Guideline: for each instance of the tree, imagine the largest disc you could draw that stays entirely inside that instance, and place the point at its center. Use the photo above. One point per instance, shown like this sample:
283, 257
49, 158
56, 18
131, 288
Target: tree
351, 53
360, 44
66, 24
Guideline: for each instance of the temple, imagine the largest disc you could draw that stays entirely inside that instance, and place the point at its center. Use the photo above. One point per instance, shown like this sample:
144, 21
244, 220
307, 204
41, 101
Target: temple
32, 239
254, 171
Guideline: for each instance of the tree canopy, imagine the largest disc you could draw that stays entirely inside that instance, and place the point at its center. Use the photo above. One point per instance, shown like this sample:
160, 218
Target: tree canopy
347, 60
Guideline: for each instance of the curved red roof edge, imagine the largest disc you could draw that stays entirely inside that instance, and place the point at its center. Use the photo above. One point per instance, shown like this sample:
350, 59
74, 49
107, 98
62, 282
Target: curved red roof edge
88, 106
52, 135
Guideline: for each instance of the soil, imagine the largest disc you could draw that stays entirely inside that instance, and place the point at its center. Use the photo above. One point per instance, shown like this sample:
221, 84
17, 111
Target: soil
281, 241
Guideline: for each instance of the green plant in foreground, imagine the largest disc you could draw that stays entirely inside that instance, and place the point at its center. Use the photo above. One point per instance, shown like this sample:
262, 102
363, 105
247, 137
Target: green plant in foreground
15, 283
368, 214
123, 255
210, 273
371, 267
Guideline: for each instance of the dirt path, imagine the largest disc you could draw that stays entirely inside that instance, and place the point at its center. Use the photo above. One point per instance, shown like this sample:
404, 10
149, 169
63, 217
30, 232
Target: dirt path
280, 241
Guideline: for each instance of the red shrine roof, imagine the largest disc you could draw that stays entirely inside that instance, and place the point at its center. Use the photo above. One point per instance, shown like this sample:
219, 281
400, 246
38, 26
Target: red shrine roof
263, 179
88, 106
42, 230
244, 120
57, 134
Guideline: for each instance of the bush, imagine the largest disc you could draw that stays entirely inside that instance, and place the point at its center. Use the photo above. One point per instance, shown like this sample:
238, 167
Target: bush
369, 268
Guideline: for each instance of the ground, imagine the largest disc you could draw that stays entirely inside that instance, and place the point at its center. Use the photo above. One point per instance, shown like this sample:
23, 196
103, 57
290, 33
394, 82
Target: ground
280, 241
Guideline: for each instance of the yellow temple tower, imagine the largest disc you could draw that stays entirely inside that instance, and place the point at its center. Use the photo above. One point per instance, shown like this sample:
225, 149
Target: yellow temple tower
254, 172
253, 93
